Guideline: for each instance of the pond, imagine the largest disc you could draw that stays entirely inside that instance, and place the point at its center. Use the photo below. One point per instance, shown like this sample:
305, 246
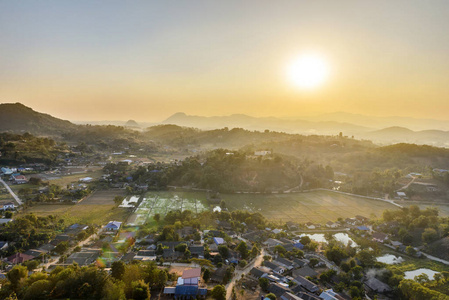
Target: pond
412, 274
390, 259
341, 237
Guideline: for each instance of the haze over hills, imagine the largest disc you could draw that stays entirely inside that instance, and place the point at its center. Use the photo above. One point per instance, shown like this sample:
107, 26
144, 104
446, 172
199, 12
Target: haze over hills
381, 122
16, 117
261, 124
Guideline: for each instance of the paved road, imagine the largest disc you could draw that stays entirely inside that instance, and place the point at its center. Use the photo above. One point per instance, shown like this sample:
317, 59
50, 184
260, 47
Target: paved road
19, 202
238, 273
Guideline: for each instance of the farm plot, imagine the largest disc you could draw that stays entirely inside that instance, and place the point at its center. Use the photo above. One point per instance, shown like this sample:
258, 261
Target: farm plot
105, 197
317, 206
163, 202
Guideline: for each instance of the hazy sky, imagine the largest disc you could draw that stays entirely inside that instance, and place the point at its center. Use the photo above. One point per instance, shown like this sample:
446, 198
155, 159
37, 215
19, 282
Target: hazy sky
145, 60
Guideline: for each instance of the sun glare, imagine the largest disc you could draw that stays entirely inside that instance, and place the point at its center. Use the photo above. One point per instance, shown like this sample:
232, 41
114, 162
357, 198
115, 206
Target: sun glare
308, 71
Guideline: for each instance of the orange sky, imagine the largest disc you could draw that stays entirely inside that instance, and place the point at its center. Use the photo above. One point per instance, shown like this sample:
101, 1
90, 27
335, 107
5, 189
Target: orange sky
88, 61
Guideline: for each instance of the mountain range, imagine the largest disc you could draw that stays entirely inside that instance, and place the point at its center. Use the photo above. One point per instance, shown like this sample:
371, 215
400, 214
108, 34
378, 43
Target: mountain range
16, 117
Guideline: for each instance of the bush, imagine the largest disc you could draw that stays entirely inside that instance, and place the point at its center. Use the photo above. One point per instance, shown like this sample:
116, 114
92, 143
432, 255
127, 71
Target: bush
242, 263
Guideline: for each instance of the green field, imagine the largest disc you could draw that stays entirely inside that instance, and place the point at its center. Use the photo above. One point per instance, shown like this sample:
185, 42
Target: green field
84, 214
98, 208
318, 206
163, 202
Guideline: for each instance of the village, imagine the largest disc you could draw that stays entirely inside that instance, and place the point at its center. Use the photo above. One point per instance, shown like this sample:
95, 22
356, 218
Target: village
206, 249
242, 258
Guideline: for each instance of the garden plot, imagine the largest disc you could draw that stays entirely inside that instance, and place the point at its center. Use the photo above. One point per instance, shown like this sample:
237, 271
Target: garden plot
162, 203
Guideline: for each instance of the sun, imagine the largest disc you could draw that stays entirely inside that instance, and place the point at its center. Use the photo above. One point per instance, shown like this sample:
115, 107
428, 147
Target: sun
308, 71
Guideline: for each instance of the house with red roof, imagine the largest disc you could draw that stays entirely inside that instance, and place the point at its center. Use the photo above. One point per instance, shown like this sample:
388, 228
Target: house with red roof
18, 258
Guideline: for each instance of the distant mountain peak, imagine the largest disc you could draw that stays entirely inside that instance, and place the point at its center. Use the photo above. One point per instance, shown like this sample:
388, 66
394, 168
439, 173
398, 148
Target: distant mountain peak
132, 123
395, 129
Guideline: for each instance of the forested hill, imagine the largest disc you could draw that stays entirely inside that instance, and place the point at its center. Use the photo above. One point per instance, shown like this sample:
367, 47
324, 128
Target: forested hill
18, 118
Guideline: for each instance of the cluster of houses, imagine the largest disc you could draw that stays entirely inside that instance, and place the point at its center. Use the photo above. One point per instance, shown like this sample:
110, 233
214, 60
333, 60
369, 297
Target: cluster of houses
14, 174
288, 277
39, 253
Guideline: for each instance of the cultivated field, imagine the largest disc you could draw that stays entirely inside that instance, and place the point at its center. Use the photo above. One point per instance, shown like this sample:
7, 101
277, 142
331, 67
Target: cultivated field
105, 197
99, 208
318, 206
163, 202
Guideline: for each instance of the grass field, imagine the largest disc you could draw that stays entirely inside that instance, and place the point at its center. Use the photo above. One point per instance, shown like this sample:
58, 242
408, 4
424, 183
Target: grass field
5, 196
99, 208
318, 206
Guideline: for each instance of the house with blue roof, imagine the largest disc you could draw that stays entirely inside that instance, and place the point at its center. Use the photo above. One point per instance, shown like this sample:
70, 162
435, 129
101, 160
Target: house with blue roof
113, 226
219, 241
298, 245
363, 228
6, 171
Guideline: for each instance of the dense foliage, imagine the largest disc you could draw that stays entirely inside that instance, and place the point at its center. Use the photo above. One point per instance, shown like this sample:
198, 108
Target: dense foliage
134, 281
26, 149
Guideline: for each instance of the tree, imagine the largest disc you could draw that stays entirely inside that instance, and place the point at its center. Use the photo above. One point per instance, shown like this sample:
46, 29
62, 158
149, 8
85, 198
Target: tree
118, 269
313, 262
410, 251
429, 235
62, 247
187, 254
38, 290
206, 275
181, 247
35, 181
224, 251
254, 251
355, 292
264, 283
114, 290
219, 292
222, 204
279, 249
271, 296
16, 274
157, 217
228, 274
31, 264
242, 248
162, 278
82, 236
140, 290
335, 254
305, 240
366, 257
